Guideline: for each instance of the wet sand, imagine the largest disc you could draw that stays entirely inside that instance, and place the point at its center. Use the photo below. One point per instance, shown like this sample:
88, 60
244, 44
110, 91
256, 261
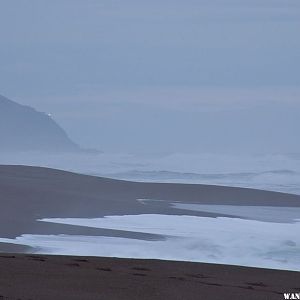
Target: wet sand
41, 277
31, 193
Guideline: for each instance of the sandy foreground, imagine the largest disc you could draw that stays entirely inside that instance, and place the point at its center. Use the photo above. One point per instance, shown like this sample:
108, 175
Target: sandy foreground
31, 193
43, 277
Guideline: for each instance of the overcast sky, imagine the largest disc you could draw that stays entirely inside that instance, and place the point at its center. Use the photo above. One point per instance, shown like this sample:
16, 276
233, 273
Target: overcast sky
158, 75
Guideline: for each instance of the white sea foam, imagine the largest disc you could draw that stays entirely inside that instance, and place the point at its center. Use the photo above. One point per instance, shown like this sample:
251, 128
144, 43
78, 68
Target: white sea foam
190, 238
271, 172
260, 213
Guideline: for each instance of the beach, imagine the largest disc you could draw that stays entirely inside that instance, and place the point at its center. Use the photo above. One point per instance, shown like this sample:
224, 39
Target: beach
65, 277
43, 210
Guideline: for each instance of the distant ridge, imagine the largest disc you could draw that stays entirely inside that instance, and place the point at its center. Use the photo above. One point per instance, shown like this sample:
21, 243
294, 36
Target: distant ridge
22, 128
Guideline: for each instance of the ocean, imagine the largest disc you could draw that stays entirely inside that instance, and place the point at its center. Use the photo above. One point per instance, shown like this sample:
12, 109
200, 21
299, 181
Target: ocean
274, 172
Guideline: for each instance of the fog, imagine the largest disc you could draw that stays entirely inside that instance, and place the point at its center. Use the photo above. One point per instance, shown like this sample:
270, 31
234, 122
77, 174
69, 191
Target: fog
171, 76
23, 129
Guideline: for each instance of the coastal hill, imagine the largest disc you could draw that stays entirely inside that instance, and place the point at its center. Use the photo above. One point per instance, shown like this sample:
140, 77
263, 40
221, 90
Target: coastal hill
22, 128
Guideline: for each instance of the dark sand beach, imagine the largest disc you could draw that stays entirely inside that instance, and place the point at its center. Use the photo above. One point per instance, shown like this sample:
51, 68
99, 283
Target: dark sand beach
31, 193
41, 277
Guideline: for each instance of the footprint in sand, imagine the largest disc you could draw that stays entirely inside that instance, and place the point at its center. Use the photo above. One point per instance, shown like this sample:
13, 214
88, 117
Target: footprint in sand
139, 274
248, 287
140, 269
80, 260
200, 276
7, 256
214, 284
37, 258
260, 284
73, 265
177, 278
104, 269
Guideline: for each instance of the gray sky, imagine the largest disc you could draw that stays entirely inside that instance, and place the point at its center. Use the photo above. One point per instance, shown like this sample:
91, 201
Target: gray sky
158, 75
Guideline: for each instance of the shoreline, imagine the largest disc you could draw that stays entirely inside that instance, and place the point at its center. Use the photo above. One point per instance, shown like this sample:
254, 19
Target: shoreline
28, 194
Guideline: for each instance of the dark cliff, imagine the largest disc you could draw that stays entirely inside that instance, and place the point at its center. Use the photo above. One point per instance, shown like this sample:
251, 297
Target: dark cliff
22, 128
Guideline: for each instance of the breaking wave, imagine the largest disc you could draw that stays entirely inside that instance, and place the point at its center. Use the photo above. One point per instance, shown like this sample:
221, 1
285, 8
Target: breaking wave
276, 172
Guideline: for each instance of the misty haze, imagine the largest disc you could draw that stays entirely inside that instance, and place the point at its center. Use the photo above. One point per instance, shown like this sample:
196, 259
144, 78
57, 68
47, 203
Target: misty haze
152, 145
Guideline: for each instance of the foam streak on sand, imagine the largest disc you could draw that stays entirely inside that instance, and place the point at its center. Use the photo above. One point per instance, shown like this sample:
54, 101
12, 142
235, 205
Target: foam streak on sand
278, 214
190, 238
